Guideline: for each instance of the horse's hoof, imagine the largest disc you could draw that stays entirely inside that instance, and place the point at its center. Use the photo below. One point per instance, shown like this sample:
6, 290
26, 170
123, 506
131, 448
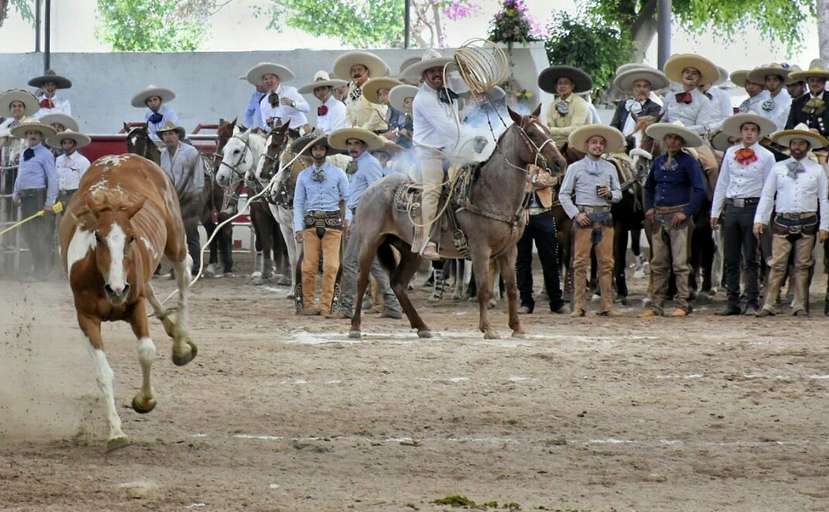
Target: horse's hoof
283, 281
116, 443
186, 358
290, 296
424, 333
519, 334
354, 335
490, 335
142, 406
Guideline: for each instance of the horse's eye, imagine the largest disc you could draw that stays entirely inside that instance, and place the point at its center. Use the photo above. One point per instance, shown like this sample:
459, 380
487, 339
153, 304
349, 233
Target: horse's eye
235, 151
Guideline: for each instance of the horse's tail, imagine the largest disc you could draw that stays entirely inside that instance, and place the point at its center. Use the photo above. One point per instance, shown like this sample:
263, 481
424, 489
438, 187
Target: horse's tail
386, 256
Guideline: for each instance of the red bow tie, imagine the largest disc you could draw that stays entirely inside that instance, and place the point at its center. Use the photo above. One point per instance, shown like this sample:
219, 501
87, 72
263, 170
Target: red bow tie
684, 97
745, 156
321, 111
47, 103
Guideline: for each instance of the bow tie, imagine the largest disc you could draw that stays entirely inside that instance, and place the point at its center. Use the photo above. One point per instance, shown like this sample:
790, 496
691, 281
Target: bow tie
28, 154
155, 118
446, 95
322, 110
795, 168
684, 97
273, 99
745, 156
47, 103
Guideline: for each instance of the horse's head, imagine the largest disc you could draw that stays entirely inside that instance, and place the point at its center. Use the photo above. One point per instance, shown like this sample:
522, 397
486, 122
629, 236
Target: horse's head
138, 138
237, 160
109, 221
277, 140
538, 146
223, 134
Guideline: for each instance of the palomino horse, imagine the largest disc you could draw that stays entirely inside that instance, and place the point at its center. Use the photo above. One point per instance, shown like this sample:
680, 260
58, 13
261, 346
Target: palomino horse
219, 205
123, 219
492, 215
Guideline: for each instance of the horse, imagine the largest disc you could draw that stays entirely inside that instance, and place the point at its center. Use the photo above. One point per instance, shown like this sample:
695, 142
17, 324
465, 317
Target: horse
140, 143
219, 205
491, 213
123, 219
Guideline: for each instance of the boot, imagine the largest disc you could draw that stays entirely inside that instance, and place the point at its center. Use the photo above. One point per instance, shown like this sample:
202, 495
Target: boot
439, 286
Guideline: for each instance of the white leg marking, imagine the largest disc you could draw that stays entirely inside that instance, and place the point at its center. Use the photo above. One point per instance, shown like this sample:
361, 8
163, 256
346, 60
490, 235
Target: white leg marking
146, 356
183, 280
117, 278
105, 377
82, 242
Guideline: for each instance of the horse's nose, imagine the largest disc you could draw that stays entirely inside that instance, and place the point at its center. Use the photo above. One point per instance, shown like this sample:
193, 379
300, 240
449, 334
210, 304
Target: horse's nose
117, 291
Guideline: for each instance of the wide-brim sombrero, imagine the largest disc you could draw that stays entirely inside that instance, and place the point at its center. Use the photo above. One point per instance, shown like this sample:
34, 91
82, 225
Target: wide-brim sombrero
816, 70
398, 95
170, 126
62, 119
734, 124
794, 68
372, 87
801, 131
50, 76
140, 99
391, 148
321, 79
758, 75
658, 131
25, 97
739, 77
27, 126
376, 66
547, 79
255, 74
80, 139
338, 138
430, 59
624, 81
674, 66
721, 141
613, 137
309, 140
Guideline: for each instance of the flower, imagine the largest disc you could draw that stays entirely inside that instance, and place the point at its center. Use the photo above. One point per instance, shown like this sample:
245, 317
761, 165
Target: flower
513, 24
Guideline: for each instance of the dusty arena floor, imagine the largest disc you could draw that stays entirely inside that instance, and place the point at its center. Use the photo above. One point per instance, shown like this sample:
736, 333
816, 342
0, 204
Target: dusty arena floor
281, 413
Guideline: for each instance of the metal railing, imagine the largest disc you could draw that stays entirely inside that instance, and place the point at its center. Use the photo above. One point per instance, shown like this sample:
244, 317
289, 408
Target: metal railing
11, 245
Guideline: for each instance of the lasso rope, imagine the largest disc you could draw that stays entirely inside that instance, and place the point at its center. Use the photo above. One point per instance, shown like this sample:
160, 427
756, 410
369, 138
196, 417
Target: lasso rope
482, 67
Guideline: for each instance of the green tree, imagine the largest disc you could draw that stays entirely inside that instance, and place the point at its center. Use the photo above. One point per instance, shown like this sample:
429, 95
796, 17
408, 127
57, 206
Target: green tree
23, 7
150, 25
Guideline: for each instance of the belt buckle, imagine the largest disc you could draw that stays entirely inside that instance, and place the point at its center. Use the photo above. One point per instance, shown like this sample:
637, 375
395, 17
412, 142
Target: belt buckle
739, 203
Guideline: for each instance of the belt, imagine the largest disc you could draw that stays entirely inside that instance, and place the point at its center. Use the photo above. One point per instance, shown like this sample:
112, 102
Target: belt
32, 192
538, 210
797, 215
670, 209
742, 202
593, 209
322, 214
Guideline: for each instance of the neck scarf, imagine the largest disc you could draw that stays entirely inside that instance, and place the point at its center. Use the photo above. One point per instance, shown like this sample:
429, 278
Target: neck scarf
47, 103
814, 106
318, 174
446, 95
155, 118
355, 93
745, 156
351, 168
684, 97
593, 168
28, 154
744, 106
795, 168
273, 99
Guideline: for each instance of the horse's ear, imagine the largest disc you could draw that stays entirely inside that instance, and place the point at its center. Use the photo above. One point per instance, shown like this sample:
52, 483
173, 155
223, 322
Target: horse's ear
515, 116
537, 111
134, 208
222, 122
126, 128
233, 123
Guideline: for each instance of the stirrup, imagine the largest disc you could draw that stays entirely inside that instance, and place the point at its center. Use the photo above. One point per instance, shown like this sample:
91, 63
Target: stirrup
433, 255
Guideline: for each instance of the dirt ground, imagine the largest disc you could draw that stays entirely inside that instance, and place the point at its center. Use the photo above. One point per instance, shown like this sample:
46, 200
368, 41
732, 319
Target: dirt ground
285, 413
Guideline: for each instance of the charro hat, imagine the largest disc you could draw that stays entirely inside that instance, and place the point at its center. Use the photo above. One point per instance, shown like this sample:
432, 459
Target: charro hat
758, 75
372, 87
62, 119
723, 76
51, 76
801, 131
389, 147
342, 66
734, 124
658, 131
255, 74
338, 138
624, 81
548, 78
309, 140
80, 139
25, 97
739, 77
816, 70
794, 68
614, 138
677, 63
430, 59
321, 79
170, 126
140, 99
398, 95
28, 126
721, 141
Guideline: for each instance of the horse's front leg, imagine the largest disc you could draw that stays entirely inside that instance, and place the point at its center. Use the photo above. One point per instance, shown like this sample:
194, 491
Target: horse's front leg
480, 262
507, 264
184, 350
144, 401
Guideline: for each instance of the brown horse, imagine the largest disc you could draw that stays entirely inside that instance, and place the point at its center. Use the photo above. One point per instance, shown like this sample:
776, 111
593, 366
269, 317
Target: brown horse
123, 219
492, 215
139, 143
219, 205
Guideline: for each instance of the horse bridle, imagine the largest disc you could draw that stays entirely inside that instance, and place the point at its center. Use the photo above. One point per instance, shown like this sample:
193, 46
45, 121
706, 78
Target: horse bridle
235, 167
533, 147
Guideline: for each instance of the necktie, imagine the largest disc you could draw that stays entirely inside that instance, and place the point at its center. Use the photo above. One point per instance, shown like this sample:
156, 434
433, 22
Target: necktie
28, 154
684, 97
156, 118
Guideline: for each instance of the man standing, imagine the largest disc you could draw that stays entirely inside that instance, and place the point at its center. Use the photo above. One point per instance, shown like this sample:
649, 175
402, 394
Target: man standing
183, 165
811, 108
590, 186
281, 103
70, 165
331, 114
48, 99
568, 111
541, 229
35, 189
320, 217
778, 102
158, 113
358, 67
744, 170
674, 192
363, 170
796, 189
637, 84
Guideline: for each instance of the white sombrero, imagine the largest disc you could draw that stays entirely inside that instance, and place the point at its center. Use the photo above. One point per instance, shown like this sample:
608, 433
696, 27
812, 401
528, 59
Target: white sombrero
398, 95
140, 99
614, 138
390, 147
62, 119
28, 126
371, 88
658, 131
338, 138
674, 66
793, 69
624, 81
816, 70
80, 139
170, 126
321, 79
255, 74
734, 124
430, 59
723, 76
25, 97
801, 131
758, 75
342, 66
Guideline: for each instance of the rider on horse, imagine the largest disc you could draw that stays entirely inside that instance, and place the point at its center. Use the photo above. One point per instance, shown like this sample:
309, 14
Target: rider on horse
158, 113
567, 111
637, 84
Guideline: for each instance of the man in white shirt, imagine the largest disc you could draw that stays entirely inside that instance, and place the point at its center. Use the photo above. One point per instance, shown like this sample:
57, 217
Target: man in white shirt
755, 90
777, 102
331, 114
158, 113
720, 99
49, 101
802, 207
358, 67
281, 103
743, 173
70, 165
